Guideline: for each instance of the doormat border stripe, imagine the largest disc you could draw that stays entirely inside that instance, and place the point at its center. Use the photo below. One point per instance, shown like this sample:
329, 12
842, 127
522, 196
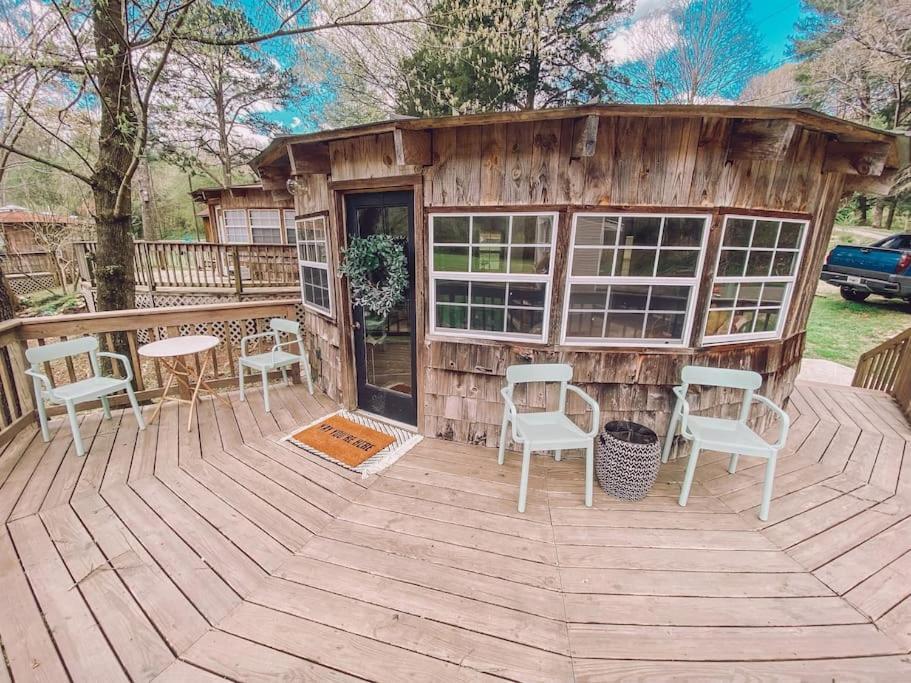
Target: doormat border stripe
404, 441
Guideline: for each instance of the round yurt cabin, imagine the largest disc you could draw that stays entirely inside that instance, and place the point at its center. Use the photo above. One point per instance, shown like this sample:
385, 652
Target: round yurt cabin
625, 240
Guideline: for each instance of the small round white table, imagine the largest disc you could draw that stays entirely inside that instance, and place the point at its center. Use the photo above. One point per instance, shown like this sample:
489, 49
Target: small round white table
171, 353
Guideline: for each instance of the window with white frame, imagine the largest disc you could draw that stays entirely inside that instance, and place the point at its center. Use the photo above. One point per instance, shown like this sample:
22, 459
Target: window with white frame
754, 276
235, 225
632, 278
313, 260
290, 229
266, 226
259, 226
490, 274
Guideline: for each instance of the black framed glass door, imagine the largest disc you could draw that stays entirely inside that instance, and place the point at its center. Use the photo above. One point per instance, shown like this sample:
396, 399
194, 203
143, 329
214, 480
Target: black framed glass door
384, 346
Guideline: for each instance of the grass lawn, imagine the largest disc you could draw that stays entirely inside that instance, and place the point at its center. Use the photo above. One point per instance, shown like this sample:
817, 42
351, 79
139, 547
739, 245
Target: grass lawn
841, 331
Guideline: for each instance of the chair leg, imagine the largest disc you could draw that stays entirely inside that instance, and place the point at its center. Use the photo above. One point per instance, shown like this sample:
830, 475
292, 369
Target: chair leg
688, 477
42, 419
558, 455
767, 488
240, 381
136, 411
523, 481
74, 426
732, 465
285, 375
106, 406
309, 379
266, 390
671, 432
501, 454
589, 473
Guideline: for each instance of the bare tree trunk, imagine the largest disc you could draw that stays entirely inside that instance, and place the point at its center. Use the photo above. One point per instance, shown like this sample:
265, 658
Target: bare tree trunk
531, 89
862, 208
193, 207
117, 137
7, 298
147, 201
890, 212
224, 145
878, 213
7, 312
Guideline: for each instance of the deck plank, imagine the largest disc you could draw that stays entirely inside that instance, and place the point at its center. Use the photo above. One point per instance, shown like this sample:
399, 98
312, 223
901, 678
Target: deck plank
82, 643
224, 553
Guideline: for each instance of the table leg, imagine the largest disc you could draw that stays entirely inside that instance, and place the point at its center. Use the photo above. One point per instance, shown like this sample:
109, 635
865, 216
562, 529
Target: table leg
199, 382
164, 393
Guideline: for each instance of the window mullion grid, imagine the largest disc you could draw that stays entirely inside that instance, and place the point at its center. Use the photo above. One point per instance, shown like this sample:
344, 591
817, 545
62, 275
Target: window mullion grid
507, 278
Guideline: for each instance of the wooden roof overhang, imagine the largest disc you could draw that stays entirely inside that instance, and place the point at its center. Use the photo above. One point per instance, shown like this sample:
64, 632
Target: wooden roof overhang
206, 194
868, 156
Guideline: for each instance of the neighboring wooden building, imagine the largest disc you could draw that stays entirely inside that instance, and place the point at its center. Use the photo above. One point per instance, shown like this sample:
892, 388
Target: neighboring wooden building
27, 263
625, 240
17, 228
247, 214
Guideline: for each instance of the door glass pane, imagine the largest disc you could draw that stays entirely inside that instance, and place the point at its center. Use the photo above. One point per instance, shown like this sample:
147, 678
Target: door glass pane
387, 339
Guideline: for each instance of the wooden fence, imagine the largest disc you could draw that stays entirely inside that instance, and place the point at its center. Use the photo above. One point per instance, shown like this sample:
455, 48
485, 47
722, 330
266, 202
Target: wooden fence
202, 264
228, 322
887, 367
28, 262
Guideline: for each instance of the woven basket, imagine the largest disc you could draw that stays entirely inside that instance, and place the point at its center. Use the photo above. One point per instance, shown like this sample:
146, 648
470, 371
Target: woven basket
627, 459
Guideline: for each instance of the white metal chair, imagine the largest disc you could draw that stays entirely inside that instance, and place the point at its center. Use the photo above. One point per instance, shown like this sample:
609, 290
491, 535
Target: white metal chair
276, 358
726, 436
547, 431
97, 387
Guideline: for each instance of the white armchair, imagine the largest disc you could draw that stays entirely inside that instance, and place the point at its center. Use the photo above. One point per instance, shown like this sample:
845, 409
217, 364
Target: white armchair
727, 436
279, 357
97, 387
547, 431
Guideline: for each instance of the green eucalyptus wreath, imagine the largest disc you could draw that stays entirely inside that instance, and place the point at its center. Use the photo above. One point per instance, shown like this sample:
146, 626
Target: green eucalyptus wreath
377, 272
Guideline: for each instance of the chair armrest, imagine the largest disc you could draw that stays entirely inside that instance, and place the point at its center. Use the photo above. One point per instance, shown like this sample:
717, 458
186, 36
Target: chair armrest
276, 347
123, 359
784, 421
511, 407
596, 409
250, 337
684, 412
45, 380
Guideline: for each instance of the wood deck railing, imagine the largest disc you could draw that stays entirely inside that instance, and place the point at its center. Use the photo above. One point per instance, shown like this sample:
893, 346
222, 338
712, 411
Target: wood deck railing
229, 322
887, 367
202, 264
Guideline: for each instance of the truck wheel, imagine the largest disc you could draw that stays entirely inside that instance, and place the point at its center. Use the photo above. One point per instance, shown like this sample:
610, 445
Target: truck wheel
853, 294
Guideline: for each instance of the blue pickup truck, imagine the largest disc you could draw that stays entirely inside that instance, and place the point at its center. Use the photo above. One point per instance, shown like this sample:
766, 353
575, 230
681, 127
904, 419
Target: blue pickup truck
883, 268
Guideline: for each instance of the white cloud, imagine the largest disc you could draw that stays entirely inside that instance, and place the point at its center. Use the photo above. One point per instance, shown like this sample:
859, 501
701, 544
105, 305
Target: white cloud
645, 37
296, 122
647, 7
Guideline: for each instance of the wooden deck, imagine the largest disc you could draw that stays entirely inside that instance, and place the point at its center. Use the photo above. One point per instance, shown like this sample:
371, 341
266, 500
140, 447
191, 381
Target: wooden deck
174, 556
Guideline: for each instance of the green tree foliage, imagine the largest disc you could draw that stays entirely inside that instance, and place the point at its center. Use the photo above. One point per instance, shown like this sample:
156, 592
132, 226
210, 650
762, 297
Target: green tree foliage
482, 55
856, 63
856, 59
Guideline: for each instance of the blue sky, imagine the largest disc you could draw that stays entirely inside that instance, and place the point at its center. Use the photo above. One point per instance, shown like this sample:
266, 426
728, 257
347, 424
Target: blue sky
775, 20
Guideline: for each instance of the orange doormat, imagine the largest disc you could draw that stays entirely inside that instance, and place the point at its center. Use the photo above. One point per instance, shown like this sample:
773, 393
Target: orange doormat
348, 442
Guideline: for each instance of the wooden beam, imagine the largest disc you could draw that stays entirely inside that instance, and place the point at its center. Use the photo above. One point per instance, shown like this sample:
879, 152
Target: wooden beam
307, 158
766, 140
585, 136
412, 147
273, 179
879, 186
856, 158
